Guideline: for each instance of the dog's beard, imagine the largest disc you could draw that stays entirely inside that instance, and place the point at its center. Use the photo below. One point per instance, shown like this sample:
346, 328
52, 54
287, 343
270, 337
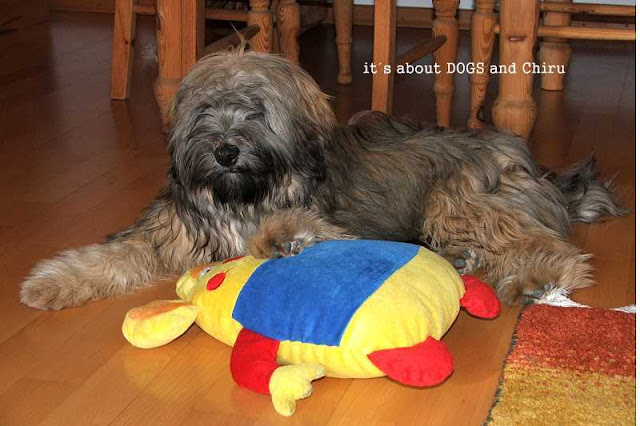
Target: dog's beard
239, 187
249, 181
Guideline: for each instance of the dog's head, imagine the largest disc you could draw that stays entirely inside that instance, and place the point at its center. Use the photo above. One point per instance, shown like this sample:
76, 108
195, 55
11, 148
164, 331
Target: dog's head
249, 128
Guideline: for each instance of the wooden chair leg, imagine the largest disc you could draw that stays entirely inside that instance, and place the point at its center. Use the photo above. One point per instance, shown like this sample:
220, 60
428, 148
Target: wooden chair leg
555, 51
515, 109
550, 138
384, 53
169, 39
343, 17
193, 18
445, 24
260, 15
289, 29
275, 43
483, 37
124, 30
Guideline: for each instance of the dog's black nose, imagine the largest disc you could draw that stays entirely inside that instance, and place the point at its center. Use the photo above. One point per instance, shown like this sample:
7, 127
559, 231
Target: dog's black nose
226, 154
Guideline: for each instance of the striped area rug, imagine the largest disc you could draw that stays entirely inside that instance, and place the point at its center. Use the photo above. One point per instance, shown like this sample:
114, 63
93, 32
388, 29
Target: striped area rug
569, 366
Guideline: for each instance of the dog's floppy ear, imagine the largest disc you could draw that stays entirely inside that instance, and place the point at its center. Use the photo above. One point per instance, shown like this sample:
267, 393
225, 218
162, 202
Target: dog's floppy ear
173, 175
319, 113
168, 116
294, 104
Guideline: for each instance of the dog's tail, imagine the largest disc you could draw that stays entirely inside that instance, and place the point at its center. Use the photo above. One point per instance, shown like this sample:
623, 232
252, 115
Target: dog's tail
588, 198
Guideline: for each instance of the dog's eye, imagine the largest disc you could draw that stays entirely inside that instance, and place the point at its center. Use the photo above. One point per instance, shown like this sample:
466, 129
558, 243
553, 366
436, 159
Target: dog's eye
255, 116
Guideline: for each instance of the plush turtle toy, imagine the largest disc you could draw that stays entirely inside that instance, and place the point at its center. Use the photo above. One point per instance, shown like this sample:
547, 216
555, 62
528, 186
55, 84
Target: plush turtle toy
340, 308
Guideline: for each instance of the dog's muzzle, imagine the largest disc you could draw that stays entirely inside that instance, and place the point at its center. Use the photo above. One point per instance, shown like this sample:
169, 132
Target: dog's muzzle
226, 154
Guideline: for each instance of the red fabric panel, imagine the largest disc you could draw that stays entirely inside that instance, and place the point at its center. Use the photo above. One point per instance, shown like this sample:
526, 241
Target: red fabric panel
253, 360
426, 364
480, 298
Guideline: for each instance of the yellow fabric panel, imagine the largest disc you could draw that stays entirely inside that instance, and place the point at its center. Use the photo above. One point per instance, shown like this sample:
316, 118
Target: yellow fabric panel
217, 305
419, 300
337, 361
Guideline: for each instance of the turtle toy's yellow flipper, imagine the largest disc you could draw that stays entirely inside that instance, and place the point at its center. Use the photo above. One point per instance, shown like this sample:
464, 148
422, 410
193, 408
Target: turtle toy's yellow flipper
158, 323
289, 383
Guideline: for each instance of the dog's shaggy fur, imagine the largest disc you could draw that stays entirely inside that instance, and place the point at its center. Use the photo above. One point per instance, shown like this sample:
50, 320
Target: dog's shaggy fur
295, 177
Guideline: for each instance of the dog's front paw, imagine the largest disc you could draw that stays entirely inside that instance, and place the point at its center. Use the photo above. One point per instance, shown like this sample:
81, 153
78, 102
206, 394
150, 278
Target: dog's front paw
275, 246
464, 260
50, 286
288, 232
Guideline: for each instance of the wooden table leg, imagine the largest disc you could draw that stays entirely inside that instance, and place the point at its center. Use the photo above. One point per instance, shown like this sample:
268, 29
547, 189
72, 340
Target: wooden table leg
169, 39
483, 37
260, 15
555, 51
515, 109
343, 17
445, 24
384, 53
289, 29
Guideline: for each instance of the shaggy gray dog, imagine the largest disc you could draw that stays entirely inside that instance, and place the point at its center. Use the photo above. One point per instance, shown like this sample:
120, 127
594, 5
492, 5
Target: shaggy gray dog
259, 165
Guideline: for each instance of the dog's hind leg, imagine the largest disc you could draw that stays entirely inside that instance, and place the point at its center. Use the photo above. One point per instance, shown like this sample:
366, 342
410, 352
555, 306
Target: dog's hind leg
526, 269
464, 259
518, 253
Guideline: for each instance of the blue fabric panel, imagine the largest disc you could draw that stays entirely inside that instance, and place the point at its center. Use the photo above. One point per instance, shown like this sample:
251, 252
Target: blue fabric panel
311, 297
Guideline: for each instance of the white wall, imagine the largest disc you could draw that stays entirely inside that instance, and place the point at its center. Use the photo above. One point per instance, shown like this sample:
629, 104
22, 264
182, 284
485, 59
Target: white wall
468, 4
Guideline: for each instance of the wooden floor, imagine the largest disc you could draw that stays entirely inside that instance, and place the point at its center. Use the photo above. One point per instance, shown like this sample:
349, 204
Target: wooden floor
75, 166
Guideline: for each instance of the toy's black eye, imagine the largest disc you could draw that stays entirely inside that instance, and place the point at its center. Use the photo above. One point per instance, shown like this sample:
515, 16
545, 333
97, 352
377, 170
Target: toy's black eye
205, 271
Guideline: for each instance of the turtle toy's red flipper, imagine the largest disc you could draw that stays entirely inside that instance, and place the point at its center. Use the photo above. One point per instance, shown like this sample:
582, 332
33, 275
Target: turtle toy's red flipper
480, 298
253, 360
426, 364
254, 366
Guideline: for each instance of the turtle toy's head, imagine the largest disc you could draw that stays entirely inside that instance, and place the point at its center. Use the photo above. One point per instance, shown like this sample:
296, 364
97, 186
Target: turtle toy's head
207, 296
215, 287
196, 280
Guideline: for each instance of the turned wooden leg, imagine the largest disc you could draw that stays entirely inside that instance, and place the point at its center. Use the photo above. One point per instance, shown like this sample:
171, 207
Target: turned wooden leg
260, 15
445, 24
124, 33
192, 33
483, 37
384, 53
169, 39
289, 29
343, 17
548, 142
555, 51
515, 109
